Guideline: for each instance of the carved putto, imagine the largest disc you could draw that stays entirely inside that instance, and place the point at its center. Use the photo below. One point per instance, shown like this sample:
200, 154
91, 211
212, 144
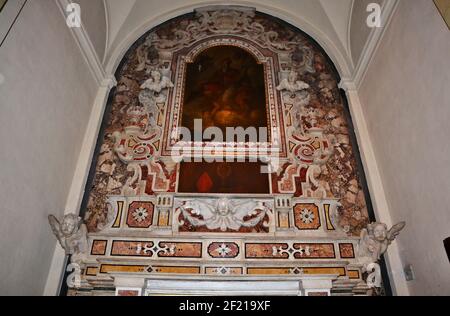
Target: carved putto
154, 94
156, 84
375, 240
293, 86
71, 233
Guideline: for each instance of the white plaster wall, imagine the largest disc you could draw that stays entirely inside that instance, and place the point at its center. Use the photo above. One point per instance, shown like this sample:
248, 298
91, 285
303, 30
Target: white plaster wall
45, 103
406, 100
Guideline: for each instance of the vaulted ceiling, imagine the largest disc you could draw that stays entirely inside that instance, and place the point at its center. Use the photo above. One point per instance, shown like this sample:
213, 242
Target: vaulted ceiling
338, 25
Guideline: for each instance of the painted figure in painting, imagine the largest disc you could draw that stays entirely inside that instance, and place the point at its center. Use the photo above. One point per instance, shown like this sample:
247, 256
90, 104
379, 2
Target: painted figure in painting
225, 88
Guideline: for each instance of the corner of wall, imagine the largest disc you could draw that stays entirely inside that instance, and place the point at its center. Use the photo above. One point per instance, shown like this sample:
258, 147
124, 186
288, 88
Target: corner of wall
75, 196
376, 188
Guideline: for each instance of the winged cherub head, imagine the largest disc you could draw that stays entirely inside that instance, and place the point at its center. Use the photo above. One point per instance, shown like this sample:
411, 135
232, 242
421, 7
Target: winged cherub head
378, 231
223, 207
70, 224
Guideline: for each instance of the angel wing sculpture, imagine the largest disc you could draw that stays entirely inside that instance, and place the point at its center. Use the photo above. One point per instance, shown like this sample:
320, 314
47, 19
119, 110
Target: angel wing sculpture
71, 233
224, 214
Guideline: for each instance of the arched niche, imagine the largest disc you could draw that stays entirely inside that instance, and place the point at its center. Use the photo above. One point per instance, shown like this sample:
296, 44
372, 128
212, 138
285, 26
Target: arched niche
281, 49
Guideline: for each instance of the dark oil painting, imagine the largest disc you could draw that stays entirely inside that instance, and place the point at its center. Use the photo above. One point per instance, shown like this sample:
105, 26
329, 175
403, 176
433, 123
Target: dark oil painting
225, 87
223, 177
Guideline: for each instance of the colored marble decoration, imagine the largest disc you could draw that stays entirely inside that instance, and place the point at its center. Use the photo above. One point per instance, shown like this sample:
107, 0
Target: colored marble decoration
306, 216
181, 249
286, 251
99, 247
150, 212
224, 270
317, 158
156, 249
266, 251
223, 250
128, 293
140, 215
314, 251
132, 249
346, 251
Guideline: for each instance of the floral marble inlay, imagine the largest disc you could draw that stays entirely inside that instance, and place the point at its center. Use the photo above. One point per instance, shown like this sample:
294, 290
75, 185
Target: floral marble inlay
223, 250
140, 215
306, 216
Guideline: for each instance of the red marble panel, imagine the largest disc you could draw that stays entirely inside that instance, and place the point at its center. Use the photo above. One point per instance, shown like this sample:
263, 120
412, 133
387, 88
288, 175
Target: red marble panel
140, 214
314, 251
347, 251
318, 294
99, 247
127, 293
180, 249
223, 250
266, 251
306, 216
132, 248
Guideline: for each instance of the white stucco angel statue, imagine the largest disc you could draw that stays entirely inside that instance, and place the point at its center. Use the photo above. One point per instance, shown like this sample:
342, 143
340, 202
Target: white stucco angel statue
71, 233
154, 93
156, 85
374, 242
293, 85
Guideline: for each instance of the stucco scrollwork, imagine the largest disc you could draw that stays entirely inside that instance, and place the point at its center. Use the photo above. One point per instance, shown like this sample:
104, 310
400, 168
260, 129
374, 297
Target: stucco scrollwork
132, 145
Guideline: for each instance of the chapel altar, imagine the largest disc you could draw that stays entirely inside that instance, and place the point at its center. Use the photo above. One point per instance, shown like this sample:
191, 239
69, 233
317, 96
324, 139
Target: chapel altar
277, 208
